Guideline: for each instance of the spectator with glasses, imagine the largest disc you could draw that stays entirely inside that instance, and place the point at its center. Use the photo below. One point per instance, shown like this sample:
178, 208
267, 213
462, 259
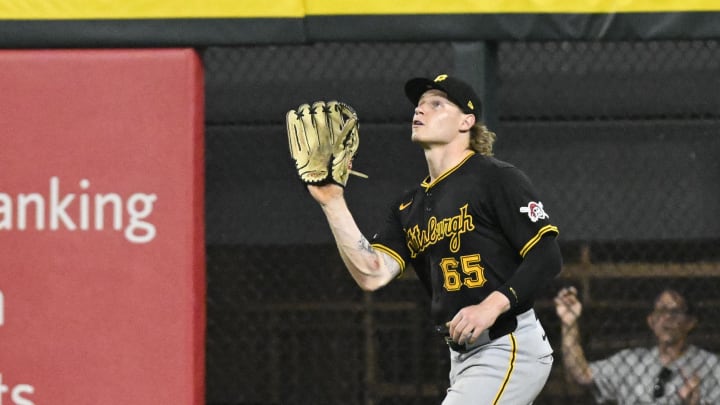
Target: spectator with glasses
672, 372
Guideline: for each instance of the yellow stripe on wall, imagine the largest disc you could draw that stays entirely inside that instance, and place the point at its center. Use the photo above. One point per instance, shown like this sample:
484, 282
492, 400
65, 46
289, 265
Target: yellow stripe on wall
113, 9
338, 7
126, 9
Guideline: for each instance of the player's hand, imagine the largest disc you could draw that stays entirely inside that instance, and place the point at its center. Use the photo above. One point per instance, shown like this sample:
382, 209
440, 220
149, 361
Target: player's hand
567, 305
470, 322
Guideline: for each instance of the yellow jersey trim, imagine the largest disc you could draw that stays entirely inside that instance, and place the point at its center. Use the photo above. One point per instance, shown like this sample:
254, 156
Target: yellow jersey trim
545, 229
426, 184
392, 254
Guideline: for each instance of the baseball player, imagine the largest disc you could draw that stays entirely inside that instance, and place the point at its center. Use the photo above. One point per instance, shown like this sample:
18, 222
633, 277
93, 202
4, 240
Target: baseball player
480, 240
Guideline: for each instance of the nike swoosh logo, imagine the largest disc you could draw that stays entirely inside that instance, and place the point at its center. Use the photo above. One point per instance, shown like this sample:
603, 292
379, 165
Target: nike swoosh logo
405, 205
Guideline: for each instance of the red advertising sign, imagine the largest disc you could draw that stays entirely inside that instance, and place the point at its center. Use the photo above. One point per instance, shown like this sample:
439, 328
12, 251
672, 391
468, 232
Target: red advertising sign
102, 268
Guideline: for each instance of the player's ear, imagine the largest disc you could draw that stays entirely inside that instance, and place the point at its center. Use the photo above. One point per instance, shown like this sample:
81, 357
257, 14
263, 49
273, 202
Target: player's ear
467, 122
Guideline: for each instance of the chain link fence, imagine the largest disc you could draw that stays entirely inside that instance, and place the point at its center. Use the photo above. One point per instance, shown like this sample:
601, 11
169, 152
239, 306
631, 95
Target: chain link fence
620, 138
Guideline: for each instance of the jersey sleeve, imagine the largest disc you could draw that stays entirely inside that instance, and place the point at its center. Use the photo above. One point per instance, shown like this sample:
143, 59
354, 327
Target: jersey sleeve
522, 217
390, 239
519, 210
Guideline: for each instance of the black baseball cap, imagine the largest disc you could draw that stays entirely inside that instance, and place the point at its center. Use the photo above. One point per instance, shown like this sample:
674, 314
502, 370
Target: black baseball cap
457, 91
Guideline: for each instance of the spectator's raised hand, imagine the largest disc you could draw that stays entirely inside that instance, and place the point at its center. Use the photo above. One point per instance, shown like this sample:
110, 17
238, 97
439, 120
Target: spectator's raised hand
567, 305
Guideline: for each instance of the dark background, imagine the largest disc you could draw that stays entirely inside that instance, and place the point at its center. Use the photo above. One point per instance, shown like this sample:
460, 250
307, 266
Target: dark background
620, 138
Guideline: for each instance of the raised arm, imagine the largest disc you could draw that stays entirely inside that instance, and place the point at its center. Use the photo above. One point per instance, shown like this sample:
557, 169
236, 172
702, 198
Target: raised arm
370, 268
568, 309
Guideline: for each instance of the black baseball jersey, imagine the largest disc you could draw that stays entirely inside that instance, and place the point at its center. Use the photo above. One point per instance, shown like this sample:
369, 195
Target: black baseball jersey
466, 232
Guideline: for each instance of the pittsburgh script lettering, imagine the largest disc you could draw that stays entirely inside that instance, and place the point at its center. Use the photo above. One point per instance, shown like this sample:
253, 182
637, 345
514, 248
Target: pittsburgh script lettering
82, 211
419, 239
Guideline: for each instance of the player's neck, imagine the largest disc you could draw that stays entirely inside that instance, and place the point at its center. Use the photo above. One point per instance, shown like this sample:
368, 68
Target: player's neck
441, 159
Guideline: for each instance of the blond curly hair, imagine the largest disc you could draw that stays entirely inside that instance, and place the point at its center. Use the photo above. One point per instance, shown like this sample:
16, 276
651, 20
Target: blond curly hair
482, 139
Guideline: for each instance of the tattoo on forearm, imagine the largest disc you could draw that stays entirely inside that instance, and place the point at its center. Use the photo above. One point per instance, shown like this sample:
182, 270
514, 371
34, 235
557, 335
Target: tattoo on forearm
363, 244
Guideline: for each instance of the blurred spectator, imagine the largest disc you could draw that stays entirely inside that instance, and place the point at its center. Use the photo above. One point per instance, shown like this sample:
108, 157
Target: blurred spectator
672, 372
